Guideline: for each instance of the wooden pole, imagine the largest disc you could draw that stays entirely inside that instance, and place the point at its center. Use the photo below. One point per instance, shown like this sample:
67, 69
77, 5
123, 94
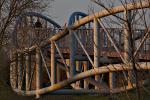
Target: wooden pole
96, 47
85, 65
38, 72
28, 70
112, 80
53, 64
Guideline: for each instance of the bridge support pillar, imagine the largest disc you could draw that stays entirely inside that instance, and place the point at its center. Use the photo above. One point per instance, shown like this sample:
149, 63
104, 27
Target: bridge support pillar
79, 69
96, 47
58, 74
112, 80
85, 66
53, 64
38, 72
28, 69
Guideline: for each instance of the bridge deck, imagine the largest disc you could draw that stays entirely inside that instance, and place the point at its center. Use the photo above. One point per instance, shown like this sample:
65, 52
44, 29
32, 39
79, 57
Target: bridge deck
107, 53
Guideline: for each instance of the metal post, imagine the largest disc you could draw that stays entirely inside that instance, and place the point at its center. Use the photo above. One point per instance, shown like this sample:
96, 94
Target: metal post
38, 72
72, 55
53, 64
19, 72
96, 47
28, 70
86, 84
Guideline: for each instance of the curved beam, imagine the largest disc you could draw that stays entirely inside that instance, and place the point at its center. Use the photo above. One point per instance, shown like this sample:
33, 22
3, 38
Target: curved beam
72, 17
83, 75
103, 13
39, 15
18, 21
114, 10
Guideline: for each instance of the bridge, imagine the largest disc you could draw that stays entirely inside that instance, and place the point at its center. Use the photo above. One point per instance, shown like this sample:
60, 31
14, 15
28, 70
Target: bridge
83, 57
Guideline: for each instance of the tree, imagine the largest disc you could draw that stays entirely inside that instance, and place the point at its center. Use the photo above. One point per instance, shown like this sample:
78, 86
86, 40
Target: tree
130, 22
10, 9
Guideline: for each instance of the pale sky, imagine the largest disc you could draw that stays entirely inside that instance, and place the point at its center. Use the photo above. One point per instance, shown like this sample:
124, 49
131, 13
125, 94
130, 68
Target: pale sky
62, 9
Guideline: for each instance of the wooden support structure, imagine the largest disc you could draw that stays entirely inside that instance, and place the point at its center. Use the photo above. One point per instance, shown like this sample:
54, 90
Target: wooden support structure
78, 69
53, 64
58, 73
28, 69
87, 76
89, 73
112, 80
85, 66
96, 47
38, 72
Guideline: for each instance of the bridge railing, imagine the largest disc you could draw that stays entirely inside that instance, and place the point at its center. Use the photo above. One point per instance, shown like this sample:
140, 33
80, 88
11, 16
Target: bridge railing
87, 39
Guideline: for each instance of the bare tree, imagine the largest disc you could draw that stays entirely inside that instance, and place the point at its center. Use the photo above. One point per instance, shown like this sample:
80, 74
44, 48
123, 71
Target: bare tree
10, 9
129, 22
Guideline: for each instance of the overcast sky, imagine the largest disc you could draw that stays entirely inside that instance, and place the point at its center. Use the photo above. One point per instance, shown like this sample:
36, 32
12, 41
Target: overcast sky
62, 9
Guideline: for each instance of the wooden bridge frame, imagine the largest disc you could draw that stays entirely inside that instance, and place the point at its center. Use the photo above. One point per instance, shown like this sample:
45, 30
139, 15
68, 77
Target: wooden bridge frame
55, 87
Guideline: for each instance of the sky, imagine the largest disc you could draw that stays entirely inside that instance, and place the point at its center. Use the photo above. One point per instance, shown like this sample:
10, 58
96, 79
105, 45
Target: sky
62, 9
